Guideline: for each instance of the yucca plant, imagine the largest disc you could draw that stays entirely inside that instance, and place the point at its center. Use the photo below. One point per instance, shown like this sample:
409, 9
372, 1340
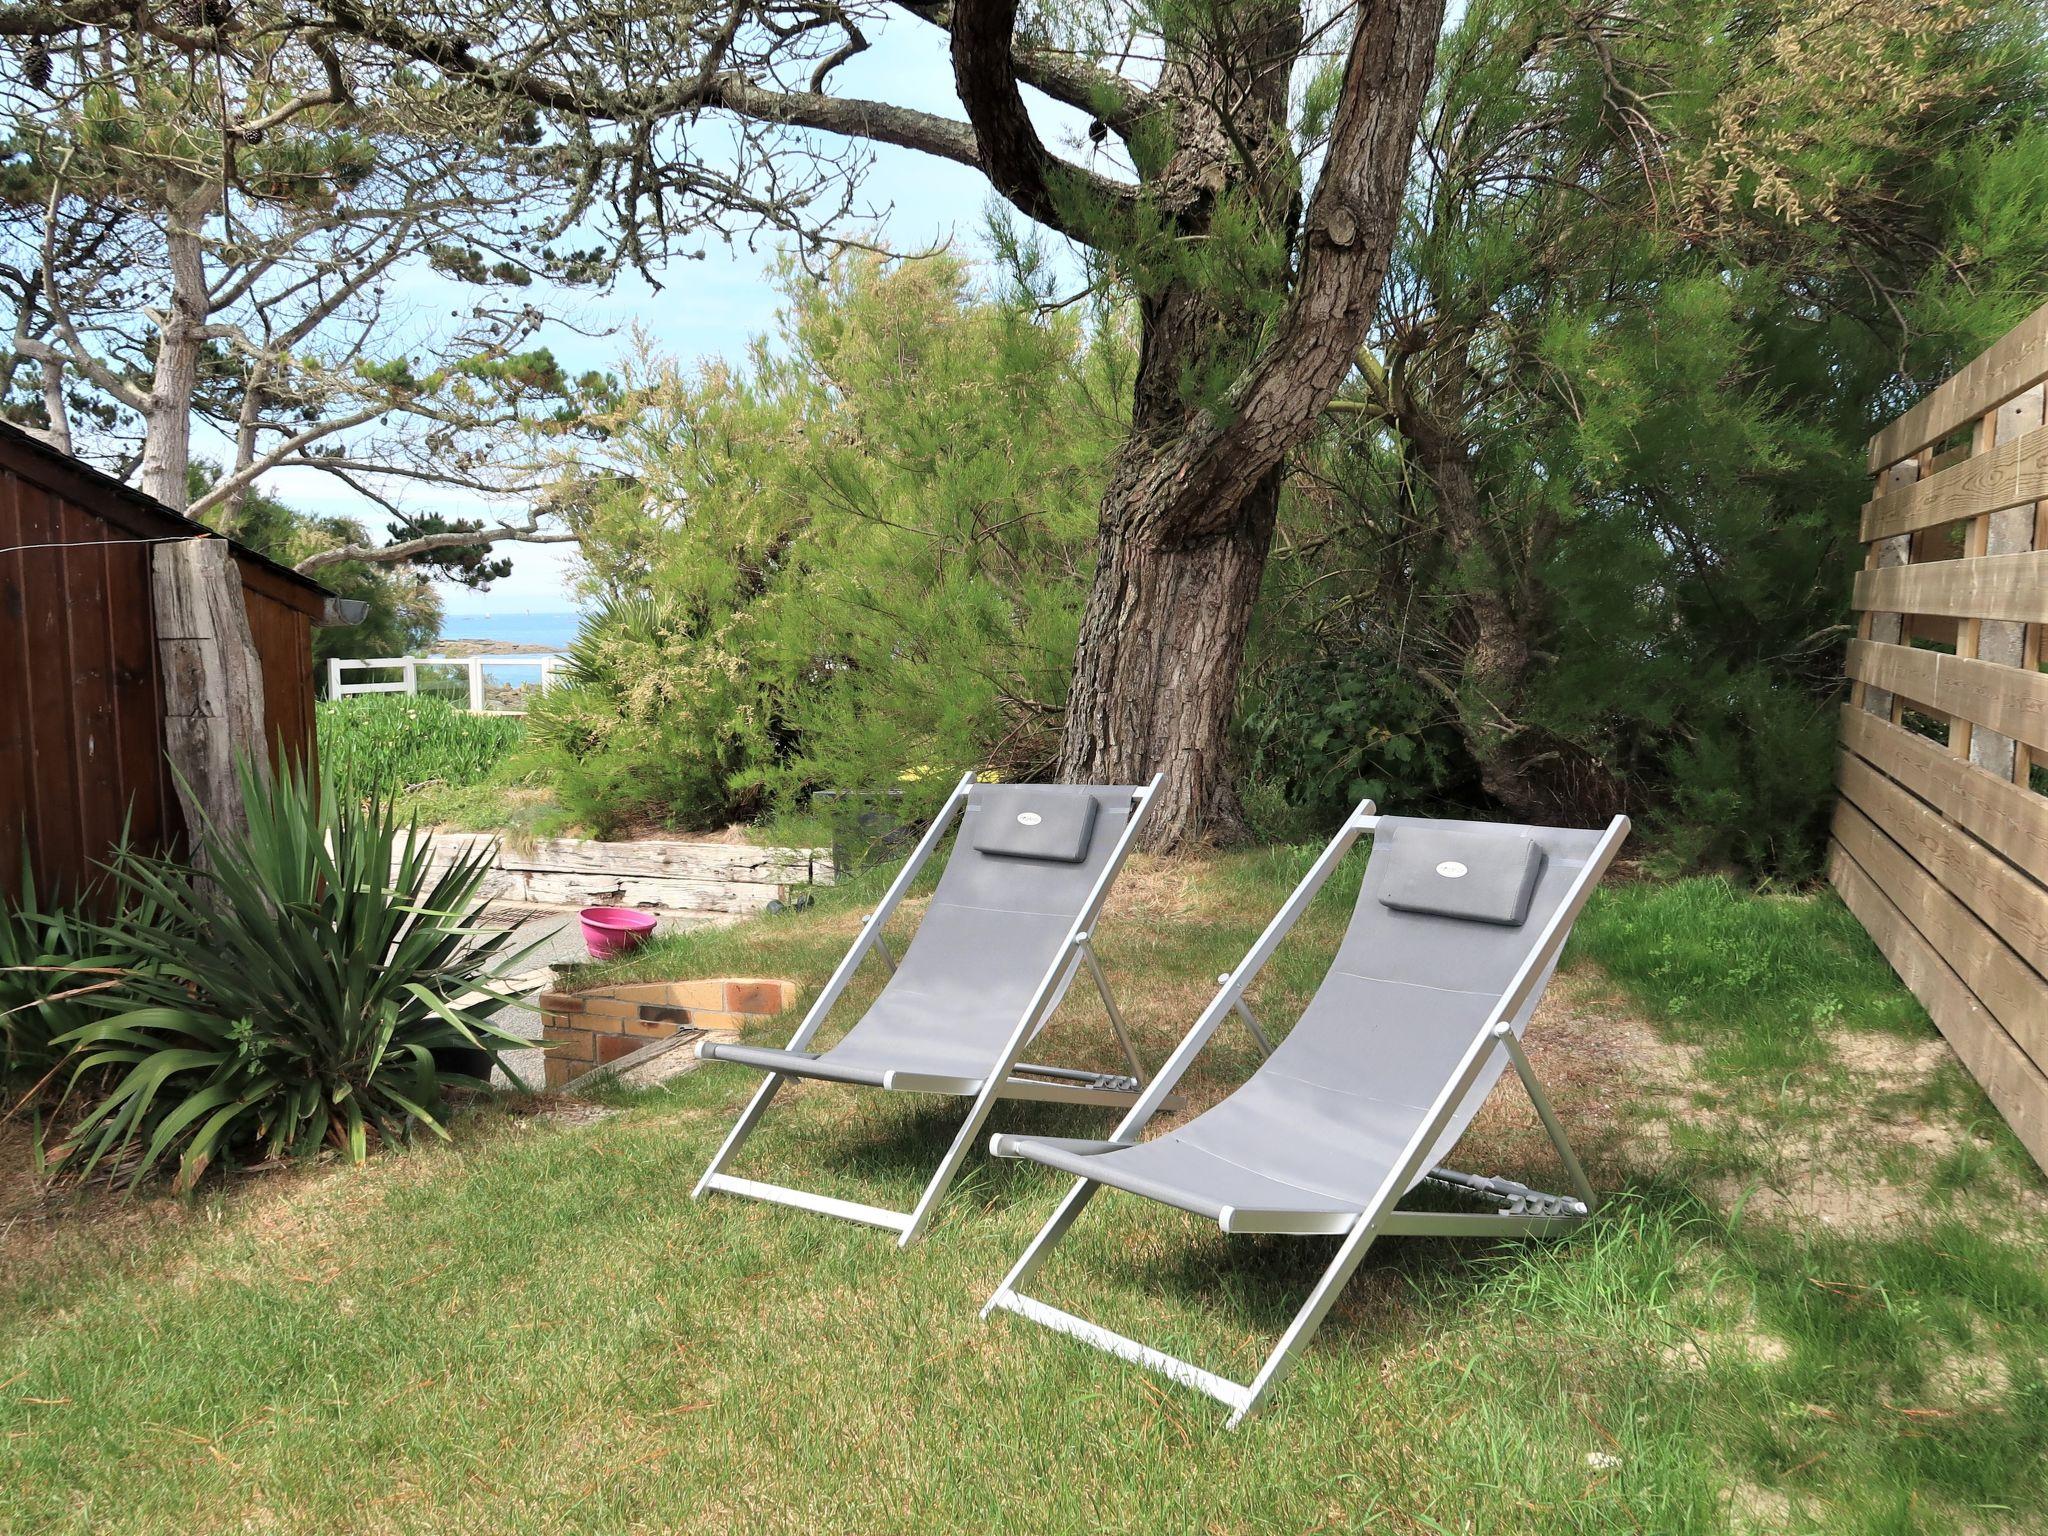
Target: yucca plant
53, 958
293, 995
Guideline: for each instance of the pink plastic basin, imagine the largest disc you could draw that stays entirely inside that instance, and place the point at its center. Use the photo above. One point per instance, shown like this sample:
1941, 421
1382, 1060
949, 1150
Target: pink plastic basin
615, 930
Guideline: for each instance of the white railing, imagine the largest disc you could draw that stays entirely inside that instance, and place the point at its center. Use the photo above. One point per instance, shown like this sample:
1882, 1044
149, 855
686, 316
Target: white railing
408, 668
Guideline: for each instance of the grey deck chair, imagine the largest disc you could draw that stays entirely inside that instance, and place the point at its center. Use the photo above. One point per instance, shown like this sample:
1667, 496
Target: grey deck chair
1456, 933
1007, 929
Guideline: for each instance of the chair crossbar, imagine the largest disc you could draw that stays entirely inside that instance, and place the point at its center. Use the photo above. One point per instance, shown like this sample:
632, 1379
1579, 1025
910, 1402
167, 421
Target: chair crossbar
804, 1200
1230, 1393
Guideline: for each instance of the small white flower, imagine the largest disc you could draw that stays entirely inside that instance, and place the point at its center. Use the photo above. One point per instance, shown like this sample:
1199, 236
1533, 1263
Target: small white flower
1602, 1461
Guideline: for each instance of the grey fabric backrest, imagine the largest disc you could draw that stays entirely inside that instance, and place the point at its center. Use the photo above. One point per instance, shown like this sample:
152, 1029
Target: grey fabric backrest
995, 921
1408, 991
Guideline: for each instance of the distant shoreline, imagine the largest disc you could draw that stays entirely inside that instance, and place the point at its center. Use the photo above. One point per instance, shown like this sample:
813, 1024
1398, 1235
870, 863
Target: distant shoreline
504, 634
455, 647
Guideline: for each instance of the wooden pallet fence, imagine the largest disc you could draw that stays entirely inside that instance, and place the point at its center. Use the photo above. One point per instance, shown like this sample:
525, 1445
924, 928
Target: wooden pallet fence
1940, 842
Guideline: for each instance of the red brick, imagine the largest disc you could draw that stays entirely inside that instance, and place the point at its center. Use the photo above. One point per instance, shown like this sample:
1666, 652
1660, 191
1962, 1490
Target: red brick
569, 1045
560, 1073
611, 1047
560, 1002
756, 997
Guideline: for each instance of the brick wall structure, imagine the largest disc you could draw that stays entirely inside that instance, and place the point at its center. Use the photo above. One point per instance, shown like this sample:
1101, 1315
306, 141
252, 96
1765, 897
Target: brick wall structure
598, 1028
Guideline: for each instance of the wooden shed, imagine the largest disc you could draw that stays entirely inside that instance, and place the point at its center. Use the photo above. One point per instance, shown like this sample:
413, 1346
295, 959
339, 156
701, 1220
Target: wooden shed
82, 695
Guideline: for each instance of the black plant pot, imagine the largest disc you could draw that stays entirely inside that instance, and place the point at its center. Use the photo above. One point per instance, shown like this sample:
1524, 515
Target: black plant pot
464, 1060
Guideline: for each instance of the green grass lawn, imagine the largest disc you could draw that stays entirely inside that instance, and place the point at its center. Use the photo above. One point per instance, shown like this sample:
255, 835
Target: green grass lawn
1815, 1300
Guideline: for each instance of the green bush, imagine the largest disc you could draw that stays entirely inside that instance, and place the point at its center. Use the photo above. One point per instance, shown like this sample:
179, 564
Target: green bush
639, 725
288, 993
861, 555
380, 744
1319, 734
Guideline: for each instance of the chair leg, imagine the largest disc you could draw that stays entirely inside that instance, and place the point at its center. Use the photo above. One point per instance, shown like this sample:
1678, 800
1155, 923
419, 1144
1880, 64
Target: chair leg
1581, 1185
949, 1165
742, 1128
1041, 1246
1116, 1016
1310, 1318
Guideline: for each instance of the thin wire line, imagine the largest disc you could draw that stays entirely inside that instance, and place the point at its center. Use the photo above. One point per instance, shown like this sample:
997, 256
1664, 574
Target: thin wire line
181, 538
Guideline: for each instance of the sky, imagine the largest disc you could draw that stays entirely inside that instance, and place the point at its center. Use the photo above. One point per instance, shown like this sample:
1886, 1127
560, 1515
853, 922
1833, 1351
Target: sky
716, 306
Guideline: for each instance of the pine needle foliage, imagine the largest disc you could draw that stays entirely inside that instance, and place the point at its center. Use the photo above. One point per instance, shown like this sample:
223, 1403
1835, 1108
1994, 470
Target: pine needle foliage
855, 561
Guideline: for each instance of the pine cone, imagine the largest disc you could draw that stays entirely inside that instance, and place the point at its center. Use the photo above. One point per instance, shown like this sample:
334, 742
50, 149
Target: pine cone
35, 64
184, 15
216, 13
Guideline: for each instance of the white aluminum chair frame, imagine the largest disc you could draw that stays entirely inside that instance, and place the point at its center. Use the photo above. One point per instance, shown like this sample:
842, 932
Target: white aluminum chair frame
1527, 1213
1071, 1086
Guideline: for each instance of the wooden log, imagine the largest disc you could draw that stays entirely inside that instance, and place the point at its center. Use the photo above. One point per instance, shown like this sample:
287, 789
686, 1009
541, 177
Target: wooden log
212, 678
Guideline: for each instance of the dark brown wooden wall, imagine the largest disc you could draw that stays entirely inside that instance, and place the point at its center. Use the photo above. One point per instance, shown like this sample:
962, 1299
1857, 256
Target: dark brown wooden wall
81, 711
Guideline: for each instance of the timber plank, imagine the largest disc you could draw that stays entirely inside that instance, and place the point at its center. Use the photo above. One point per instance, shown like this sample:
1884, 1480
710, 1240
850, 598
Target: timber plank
61, 855
2016, 360
2013, 586
2010, 475
654, 859
2004, 815
94, 735
2005, 984
17, 786
2009, 700
2015, 1086
2015, 906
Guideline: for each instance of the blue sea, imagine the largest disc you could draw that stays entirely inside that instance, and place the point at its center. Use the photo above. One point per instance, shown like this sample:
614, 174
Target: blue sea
542, 632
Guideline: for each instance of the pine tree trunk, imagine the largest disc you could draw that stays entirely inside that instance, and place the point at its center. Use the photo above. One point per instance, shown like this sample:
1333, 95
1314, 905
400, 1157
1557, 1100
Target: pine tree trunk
1155, 679
1163, 632
1193, 496
167, 429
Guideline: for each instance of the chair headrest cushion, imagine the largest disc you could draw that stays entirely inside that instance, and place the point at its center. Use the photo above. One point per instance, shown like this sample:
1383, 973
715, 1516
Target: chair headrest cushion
1051, 825
1482, 877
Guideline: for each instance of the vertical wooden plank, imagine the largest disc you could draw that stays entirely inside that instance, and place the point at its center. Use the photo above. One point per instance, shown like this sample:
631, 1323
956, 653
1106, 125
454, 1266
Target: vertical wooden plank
1886, 628
59, 848
1962, 733
17, 785
2004, 533
96, 791
144, 775
212, 679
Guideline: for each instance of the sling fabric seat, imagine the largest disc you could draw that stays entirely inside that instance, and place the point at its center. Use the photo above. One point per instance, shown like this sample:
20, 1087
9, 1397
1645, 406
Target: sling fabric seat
1005, 933
1454, 937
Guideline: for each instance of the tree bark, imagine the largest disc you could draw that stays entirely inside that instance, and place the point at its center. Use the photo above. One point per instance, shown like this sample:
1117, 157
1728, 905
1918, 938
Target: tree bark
1188, 516
167, 440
